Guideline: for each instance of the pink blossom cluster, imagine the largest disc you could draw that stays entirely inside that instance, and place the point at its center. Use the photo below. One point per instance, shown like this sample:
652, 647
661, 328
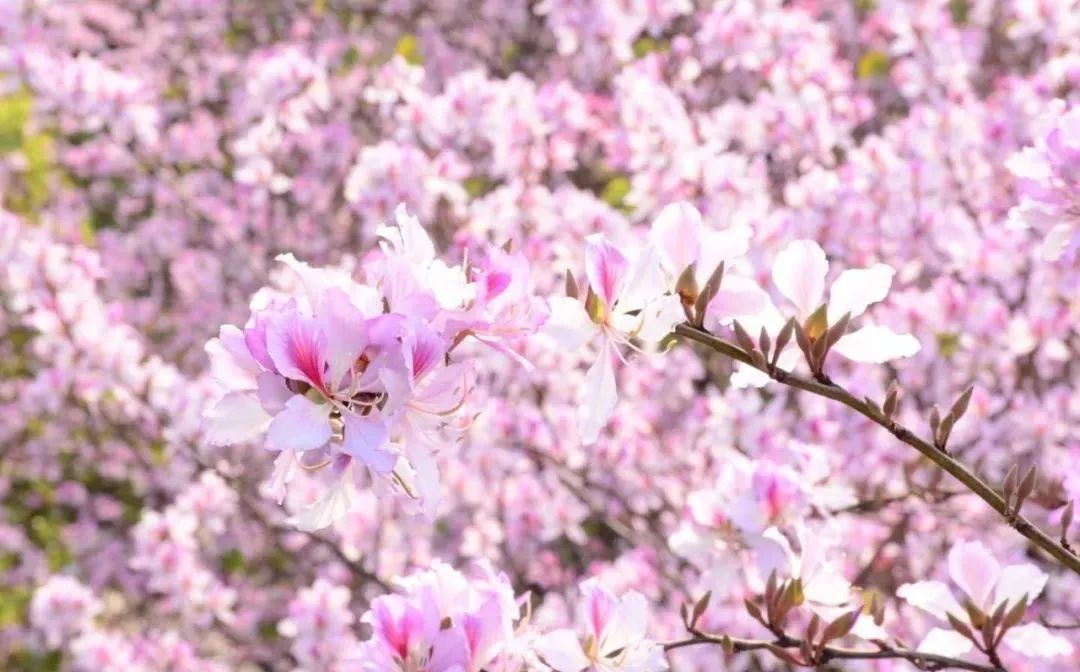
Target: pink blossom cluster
359, 379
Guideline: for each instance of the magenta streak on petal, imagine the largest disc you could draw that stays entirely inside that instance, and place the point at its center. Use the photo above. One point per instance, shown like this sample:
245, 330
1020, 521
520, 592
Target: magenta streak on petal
305, 354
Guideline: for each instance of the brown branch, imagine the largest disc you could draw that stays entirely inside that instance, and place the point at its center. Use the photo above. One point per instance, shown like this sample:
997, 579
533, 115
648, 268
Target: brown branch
923, 661
944, 461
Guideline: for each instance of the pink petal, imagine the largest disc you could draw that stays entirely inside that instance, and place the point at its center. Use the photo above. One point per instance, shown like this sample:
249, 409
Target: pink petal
366, 440
974, 569
597, 606
605, 267
303, 425
799, 273
676, 234
345, 333
298, 348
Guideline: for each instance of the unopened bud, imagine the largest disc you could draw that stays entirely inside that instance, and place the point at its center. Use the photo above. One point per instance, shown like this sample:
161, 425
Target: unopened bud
1026, 487
892, 398
935, 421
1066, 522
743, 338
764, 342
1009, 486
960, 406
783, 338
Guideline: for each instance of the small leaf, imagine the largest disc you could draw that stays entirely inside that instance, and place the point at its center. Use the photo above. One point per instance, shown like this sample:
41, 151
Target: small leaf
960, 626
1015, 614
572, 289
841, 626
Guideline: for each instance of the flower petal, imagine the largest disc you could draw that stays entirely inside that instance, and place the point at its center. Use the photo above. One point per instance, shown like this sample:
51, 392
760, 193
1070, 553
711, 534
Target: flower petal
334, 505
945, 643
857, 288
1017, 581
561, 650
366, 440
1056, 241
676, 234
605, 267
933, 597
303, 425
598, 396
874, 344
235, 418
799, 273
569, 325
1032, 639
974, 569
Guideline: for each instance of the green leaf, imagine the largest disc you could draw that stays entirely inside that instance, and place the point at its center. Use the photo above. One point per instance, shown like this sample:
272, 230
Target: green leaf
408, 47
872, 65
616, 191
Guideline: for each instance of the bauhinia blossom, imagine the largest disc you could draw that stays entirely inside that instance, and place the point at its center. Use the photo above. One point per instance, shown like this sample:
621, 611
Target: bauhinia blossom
987, 587
624, 301
800, 271
352, 377
612, 636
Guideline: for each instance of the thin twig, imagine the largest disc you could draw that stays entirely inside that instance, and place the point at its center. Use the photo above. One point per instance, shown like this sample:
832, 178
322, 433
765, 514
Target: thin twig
947, 463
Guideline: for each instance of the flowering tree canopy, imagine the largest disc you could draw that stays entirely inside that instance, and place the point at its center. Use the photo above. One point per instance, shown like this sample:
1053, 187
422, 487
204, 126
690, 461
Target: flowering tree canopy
551, 336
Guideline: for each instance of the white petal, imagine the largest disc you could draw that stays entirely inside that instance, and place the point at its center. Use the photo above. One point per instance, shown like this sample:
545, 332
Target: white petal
235, 418
627, 625
1032, 639
659, 317
875, 344
1055, 242
334, 505
303, 425
741, 298
799, 273
725, 245
1020, 580
974, 569
598, 396
562, 651
933, 597
568, 324
945, 643
857, 288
